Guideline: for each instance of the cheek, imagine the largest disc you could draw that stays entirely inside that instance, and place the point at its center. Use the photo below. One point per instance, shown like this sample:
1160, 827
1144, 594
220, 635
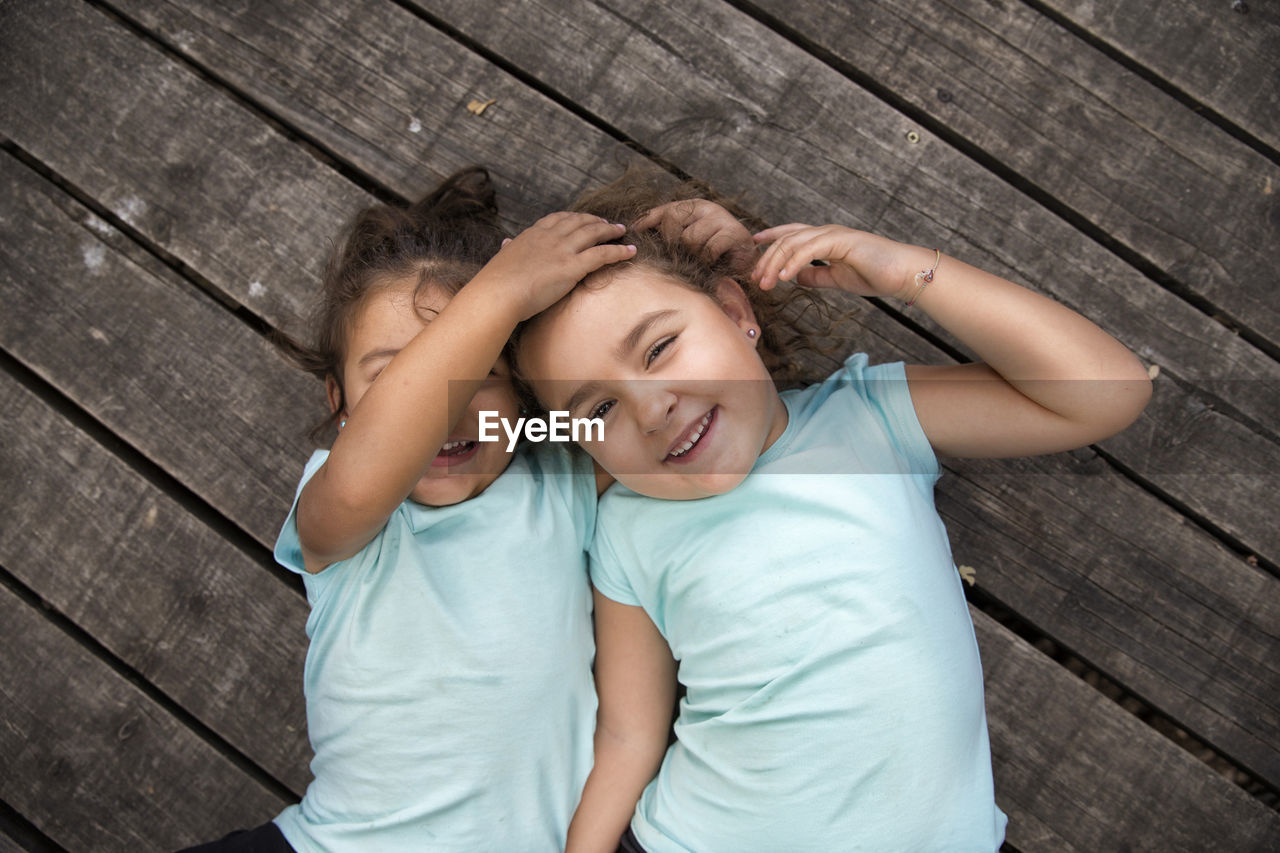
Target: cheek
501, 399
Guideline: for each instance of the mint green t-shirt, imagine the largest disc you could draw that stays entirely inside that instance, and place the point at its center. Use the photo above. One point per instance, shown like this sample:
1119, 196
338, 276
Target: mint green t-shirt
834, 693
450, 702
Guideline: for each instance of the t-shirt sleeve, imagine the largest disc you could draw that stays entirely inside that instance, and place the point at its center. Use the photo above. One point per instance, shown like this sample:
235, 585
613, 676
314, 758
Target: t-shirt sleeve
606, 568
885, 389
288, 550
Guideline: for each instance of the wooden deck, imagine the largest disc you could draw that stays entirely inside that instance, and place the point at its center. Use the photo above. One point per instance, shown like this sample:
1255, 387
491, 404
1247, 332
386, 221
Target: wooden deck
173, 171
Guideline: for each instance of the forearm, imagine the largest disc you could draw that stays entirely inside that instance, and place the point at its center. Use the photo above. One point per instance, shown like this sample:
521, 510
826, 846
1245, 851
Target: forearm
622, 770
400, 423
1049, 353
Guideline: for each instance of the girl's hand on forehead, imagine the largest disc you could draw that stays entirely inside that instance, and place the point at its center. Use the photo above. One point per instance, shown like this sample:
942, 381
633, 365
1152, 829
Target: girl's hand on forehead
703, 226
548, 258
857, 262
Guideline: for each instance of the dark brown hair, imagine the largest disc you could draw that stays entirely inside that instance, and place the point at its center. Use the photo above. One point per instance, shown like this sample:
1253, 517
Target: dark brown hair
444, 238
641, 189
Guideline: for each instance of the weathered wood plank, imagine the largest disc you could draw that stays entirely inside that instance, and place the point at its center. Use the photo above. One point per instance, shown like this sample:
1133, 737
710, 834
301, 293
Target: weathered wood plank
389, 93
1175, 189
1070, 643
190, 168
181, 379
1156, 605
219, 32
1089, 779
1225, 55
720, 96
159, 589
97, 765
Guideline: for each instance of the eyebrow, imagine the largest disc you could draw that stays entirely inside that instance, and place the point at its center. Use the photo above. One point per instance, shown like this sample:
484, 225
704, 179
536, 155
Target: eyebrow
637, 332
584, 391
374, 355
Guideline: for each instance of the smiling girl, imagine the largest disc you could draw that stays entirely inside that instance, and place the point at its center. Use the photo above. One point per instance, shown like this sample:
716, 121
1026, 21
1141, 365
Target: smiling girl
779, 553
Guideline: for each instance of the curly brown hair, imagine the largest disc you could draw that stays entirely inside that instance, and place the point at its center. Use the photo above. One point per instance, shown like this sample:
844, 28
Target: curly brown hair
444, 238
639, 190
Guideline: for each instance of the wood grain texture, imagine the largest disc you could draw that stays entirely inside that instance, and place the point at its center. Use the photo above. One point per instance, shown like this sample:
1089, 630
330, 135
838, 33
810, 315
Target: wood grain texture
185, 165
1224, 55
165, 594
1102, 781
388, 93
727, 100
97, 765
160, 364
1150, 173
1152, 602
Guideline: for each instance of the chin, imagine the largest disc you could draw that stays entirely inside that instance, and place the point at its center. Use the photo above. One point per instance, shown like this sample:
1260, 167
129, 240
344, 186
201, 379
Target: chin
441, 491
680, 487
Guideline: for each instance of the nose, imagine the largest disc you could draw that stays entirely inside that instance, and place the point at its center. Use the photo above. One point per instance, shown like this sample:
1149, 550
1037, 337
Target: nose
654, 406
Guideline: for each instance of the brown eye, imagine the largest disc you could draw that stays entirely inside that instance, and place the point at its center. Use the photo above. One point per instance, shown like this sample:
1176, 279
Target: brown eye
656, 349
602, 409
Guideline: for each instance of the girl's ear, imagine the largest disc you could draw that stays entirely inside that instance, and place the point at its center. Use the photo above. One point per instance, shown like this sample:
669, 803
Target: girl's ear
333, 392
734, 302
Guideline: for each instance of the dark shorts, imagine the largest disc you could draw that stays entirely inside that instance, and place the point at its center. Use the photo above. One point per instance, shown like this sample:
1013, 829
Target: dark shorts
264, 839
628, 844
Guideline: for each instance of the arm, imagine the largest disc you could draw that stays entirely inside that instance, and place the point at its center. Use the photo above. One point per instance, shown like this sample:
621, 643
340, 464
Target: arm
400, 423
1050, 379
635, 679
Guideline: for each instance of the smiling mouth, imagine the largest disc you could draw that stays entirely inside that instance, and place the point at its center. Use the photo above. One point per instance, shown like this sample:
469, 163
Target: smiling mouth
686, 447
453, 452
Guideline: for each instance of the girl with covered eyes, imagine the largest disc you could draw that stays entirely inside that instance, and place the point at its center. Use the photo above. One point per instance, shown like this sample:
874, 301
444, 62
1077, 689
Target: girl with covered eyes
779, 554
448, 678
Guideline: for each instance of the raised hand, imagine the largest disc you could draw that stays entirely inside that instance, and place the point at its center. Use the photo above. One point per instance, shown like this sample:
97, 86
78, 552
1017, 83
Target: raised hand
548, 258
857, 262
704, 227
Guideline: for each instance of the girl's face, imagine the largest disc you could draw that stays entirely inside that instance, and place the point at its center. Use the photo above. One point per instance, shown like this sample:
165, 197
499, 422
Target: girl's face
384, 325
687, 404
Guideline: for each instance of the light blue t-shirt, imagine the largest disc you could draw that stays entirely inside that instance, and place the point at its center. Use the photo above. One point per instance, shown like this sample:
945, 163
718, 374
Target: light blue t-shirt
450, 701
834, 693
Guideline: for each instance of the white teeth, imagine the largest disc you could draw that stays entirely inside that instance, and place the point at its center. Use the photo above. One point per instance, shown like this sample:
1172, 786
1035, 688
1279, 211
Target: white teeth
697, 434
453, 445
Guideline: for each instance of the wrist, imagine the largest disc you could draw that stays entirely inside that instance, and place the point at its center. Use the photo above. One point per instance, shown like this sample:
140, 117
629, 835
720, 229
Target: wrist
919, 274
497, 295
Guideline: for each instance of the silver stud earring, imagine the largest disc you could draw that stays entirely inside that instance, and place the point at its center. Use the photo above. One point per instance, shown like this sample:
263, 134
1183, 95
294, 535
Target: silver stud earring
342, 423
751, 333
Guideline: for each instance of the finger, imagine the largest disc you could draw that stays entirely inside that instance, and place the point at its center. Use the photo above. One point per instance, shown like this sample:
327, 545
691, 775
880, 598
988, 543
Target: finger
817, 277
679, 217
584, 233
769, 235
700, 232
673, 210
772, 265
725, 242
596, 257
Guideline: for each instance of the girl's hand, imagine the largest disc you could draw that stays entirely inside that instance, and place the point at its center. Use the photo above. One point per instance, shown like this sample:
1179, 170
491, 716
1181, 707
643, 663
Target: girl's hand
704, 226
548, 258
857, 262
